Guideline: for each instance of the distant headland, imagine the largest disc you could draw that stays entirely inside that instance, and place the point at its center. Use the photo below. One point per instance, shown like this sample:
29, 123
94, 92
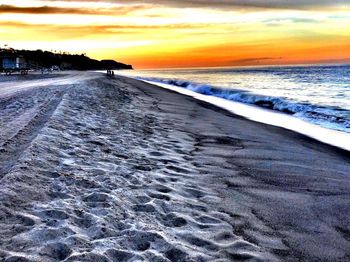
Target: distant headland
44, 59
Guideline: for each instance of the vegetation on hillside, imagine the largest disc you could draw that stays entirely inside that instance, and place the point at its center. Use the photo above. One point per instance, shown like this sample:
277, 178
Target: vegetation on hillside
65, 61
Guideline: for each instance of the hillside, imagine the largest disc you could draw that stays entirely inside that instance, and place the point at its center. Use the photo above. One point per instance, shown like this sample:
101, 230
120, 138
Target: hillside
39, 59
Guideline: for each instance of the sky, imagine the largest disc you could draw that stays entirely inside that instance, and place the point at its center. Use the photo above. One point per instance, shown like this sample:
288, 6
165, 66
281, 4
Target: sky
183, 33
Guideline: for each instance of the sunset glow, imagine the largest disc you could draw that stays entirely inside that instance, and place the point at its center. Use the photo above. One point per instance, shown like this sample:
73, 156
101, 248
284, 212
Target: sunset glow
153, 34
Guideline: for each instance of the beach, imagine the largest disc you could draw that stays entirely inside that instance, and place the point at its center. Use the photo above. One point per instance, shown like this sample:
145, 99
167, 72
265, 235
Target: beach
97, 168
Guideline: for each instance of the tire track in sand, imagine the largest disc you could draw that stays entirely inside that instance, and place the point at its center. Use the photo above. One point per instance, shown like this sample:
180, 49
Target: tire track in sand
12, 149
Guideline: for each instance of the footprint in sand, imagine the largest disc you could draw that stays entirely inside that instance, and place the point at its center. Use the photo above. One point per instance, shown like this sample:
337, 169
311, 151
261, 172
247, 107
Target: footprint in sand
199, 242
17, 259
161, 188
144, 208
208, 220
194, 192
57, 251
173, 220
96, 197
122, 256
87, 257
159, 196
156, 153
53, 214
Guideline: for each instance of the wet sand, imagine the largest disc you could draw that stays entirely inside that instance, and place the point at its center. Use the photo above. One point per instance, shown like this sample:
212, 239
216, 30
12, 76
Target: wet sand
103, 169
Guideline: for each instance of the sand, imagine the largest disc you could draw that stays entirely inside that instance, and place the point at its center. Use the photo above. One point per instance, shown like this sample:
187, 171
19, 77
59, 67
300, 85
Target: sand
94, 168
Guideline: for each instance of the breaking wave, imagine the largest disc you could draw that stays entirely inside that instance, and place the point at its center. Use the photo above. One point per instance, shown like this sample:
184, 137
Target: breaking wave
329, 117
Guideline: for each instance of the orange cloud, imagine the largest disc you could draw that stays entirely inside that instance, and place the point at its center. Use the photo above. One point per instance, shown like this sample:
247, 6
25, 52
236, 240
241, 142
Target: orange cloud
227, 4
120, 10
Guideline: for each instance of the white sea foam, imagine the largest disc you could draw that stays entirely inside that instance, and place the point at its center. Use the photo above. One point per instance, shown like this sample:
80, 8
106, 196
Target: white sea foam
271, 117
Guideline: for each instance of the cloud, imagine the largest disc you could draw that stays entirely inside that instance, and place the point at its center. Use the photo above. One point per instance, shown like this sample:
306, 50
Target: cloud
76, 31
106, 27
120, 10
294, 20
254, 60
283, 4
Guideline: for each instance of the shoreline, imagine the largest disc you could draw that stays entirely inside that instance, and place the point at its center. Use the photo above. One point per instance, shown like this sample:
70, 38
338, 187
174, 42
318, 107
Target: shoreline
199, 98
309, 130
114, 169
267, 116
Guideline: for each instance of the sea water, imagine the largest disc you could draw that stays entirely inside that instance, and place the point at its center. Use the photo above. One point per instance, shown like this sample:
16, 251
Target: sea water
315, 94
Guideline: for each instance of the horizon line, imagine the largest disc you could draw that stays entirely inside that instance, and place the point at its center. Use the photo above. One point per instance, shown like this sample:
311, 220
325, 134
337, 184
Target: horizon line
320, 63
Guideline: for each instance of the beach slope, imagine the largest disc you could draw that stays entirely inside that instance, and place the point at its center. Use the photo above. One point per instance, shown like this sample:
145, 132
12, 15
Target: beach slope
94, 168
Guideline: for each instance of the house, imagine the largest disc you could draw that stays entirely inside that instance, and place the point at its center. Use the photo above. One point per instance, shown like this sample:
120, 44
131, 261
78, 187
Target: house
11, 62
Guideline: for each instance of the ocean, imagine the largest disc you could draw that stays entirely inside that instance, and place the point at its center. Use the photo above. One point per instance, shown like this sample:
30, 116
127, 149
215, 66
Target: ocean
315, 94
